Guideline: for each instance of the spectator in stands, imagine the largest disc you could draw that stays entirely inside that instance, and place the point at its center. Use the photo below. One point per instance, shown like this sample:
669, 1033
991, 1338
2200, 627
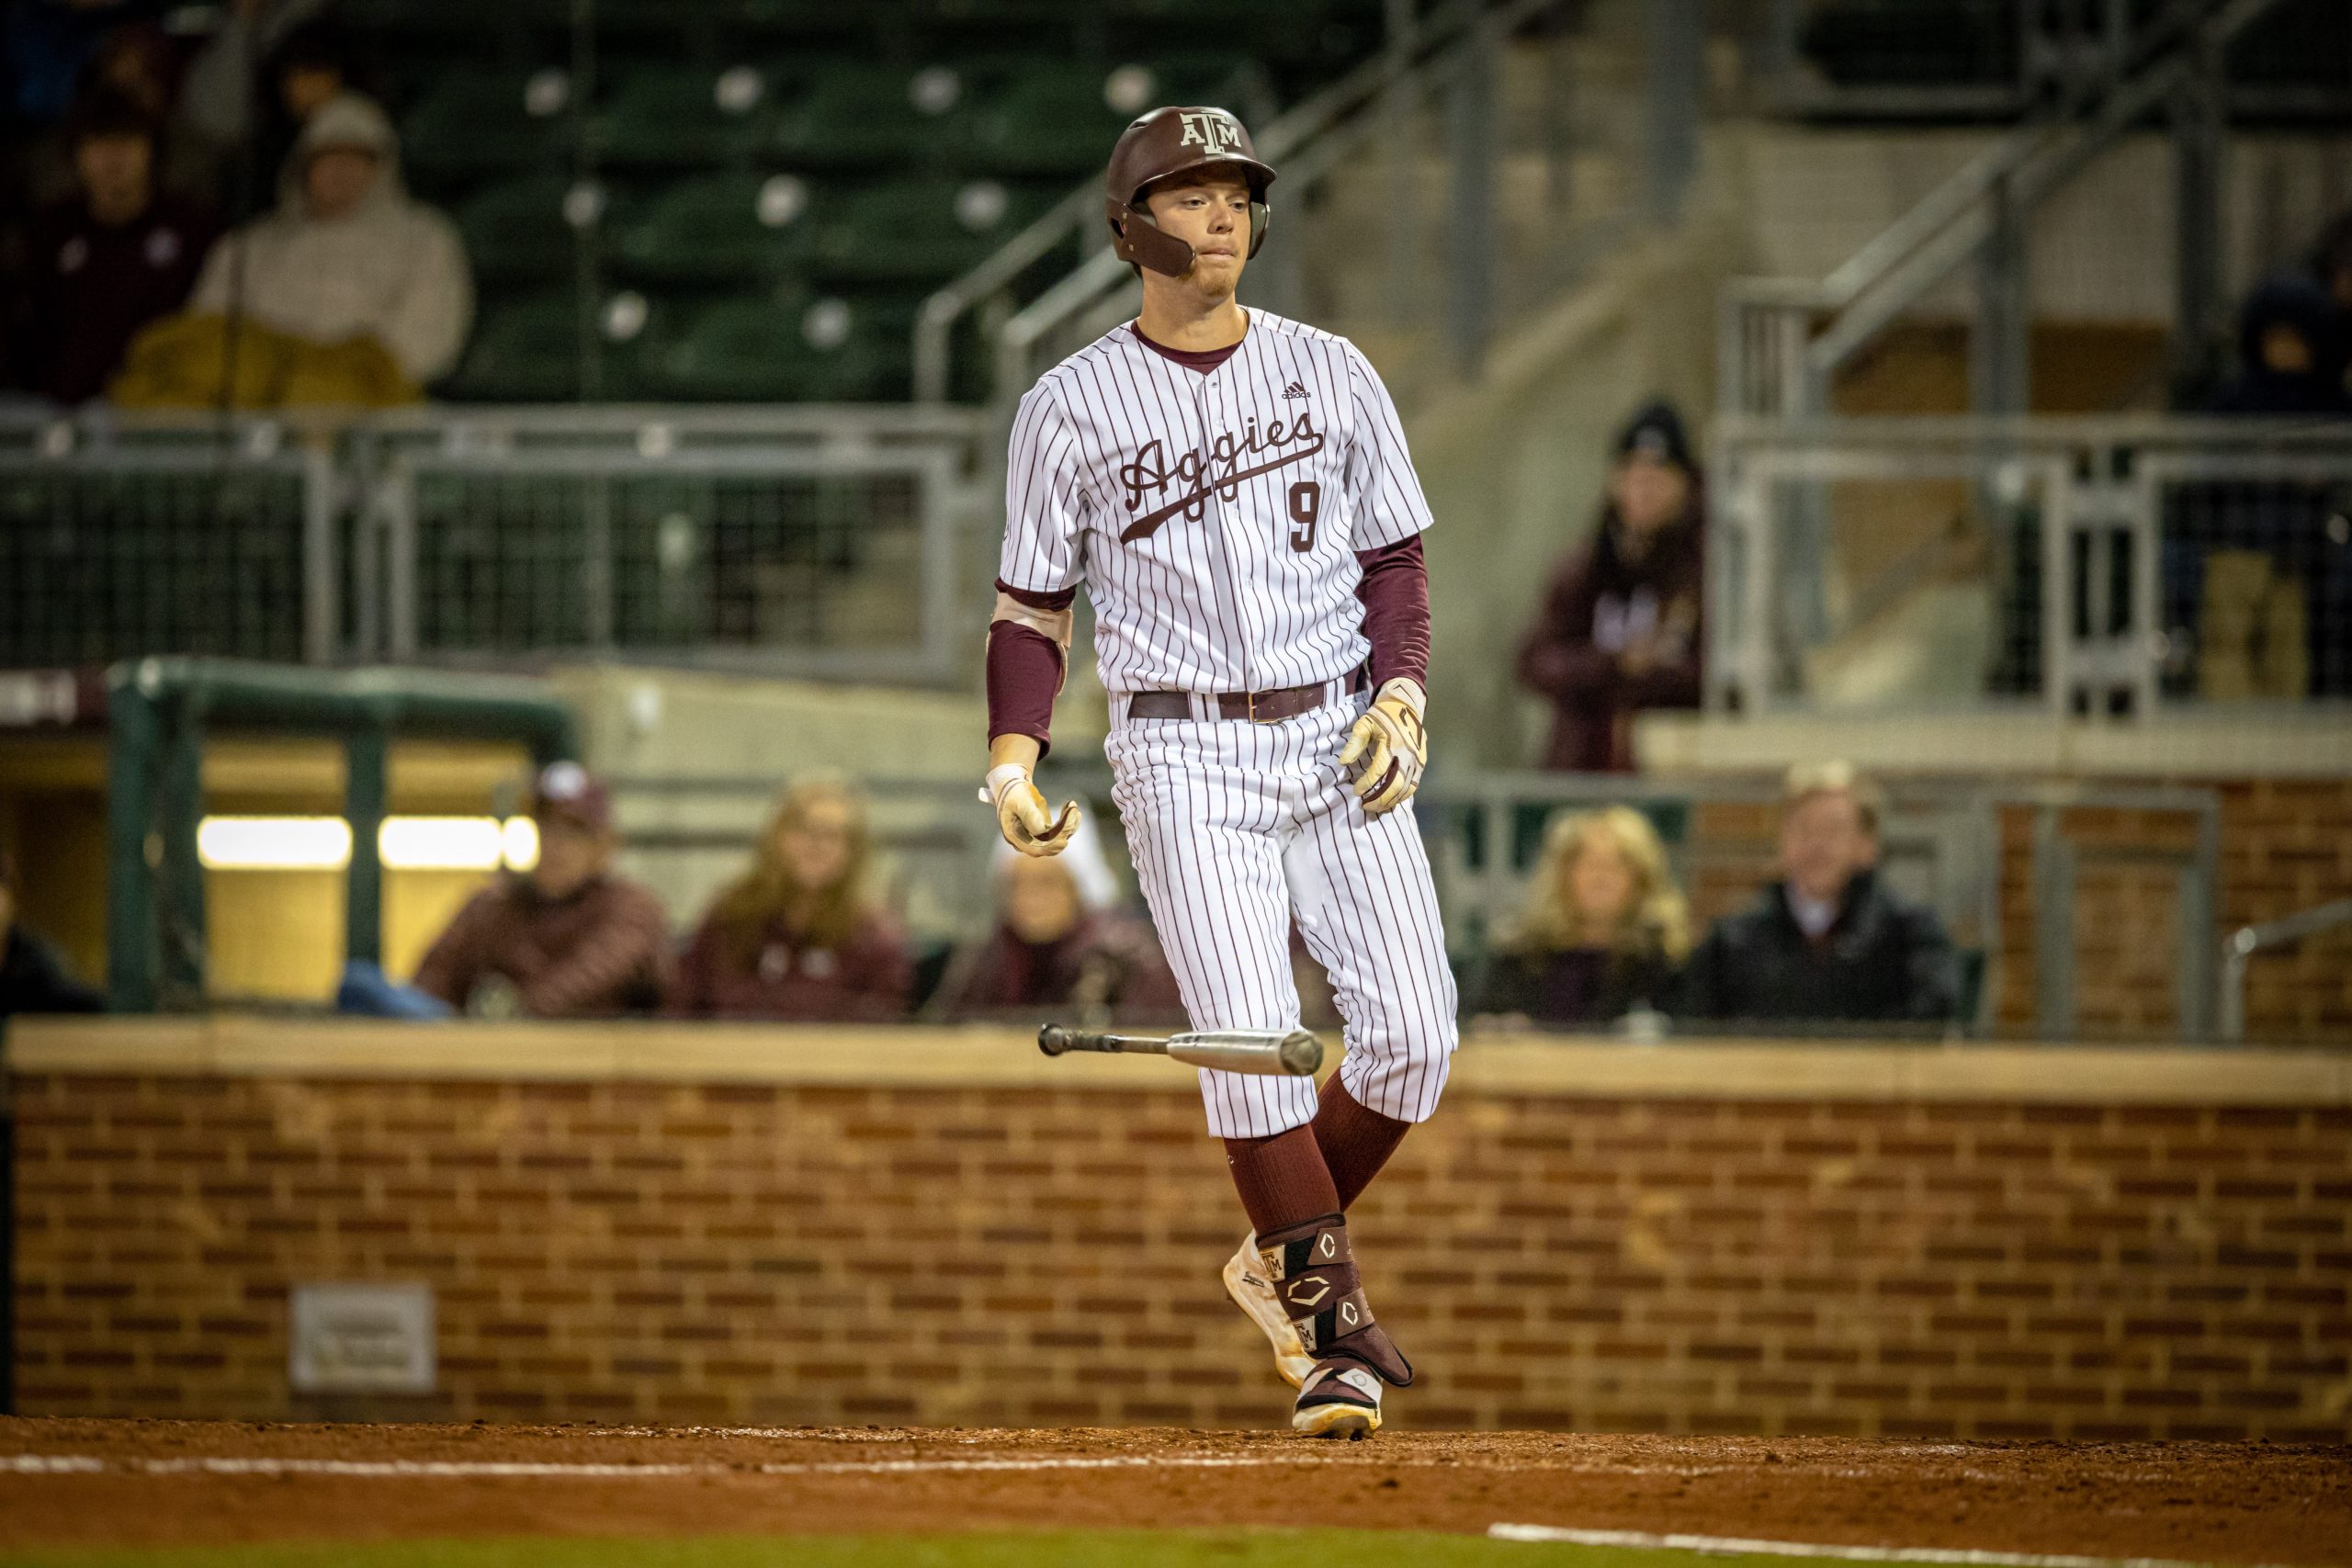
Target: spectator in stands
1619, 631
347, 255
569, 939
222, 102
120, 255
797, 936
32, 977
45, 48
2291, 351
1829, 943
1060, 949
135, 61
1605, 928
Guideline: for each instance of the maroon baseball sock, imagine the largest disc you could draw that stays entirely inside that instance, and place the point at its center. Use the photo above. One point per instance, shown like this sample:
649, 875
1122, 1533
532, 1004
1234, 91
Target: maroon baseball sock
1282, 1179
1355, 1142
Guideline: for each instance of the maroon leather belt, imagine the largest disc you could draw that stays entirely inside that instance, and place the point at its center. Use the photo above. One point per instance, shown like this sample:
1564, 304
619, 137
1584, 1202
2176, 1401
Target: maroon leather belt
1257, 707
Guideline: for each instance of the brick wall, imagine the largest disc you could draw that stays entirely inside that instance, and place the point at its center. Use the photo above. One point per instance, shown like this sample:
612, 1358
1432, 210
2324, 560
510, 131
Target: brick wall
2286, 846
785, 1254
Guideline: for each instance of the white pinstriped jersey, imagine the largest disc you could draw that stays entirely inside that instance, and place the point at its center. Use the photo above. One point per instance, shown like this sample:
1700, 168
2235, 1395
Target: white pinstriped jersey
1213, 519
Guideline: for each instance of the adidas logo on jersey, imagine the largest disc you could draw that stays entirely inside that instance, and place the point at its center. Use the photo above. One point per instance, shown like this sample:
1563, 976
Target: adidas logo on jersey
1293, 390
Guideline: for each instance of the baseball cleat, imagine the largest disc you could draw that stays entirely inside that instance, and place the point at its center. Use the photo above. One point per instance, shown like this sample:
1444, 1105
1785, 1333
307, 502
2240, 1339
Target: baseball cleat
1246, 1282
1339, 1399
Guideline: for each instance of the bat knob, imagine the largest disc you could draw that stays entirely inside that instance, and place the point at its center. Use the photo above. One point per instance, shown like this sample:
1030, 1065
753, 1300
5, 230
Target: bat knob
1052, 1039
1300, 1053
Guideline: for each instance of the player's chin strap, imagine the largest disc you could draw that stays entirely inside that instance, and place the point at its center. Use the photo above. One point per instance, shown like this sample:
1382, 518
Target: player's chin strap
1314, 1276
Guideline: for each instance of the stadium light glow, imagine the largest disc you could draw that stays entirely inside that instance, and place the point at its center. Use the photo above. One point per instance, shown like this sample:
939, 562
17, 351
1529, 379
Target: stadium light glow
404, 843
273, 843
439, 843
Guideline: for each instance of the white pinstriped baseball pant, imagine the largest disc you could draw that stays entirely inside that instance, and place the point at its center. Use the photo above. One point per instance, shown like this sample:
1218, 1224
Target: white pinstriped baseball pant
1237, 828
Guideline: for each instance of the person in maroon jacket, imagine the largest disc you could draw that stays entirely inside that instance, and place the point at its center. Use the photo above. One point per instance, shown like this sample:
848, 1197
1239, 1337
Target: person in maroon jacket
796, 936
1619, 630
568, 939
1061, 952
120, 254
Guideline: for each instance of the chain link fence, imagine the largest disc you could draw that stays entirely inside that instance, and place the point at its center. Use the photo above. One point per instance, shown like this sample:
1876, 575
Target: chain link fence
800, 548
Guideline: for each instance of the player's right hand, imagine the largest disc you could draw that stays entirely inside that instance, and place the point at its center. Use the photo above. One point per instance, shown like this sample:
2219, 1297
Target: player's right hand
1022, 815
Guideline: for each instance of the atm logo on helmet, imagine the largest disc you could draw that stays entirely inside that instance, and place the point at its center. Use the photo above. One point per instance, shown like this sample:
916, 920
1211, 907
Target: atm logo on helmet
1208, 128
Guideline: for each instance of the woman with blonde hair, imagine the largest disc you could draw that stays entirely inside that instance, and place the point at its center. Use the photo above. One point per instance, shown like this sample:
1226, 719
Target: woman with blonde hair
1604, 930
797, 936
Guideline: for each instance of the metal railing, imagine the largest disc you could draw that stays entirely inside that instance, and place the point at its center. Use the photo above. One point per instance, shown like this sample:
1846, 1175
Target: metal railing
1942, 845
1780, 341
2246, 941
800, 540
2093, 565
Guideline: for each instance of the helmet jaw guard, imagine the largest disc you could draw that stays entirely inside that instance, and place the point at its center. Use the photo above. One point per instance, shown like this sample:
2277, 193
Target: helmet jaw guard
1138, 239
1158, 146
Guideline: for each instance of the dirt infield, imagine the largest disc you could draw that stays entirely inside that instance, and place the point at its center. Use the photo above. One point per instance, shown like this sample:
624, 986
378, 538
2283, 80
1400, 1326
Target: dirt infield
159, 1482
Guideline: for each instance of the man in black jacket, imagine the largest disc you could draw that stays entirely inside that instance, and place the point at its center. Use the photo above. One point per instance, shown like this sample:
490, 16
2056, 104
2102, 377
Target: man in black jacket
31, 977
1829, 943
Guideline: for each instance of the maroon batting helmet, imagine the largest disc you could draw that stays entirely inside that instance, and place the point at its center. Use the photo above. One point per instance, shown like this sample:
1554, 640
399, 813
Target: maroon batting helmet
1173, 141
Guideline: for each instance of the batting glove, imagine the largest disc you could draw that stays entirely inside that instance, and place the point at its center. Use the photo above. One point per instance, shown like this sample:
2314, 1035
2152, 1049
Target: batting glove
1389, 746
1020, 814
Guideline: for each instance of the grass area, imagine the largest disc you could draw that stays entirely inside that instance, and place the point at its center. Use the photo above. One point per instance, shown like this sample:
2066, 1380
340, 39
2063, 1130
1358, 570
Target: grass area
970, 1549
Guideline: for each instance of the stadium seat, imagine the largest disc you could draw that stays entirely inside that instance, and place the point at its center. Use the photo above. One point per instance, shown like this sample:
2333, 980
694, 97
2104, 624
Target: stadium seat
728, 228
1303, 41
681, 116
1055, 122
1022, 29
867, 117
525, 231
796, 22
750, 349
920, 231
527, 351
480, 121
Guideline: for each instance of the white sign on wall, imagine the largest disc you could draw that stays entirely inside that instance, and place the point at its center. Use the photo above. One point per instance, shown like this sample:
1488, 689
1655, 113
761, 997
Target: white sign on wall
361, 1339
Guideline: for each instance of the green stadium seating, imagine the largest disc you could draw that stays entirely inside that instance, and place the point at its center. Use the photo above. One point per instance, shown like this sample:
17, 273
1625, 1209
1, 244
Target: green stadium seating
920, 231
1055, 122
744, 157
775, 22
782, 346
681, 116
525, 351
728, 228
522, 231
481, 120
737, 350
865, 117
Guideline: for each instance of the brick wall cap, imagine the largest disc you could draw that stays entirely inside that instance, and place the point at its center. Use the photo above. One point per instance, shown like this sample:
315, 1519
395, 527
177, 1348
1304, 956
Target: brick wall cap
237, 1045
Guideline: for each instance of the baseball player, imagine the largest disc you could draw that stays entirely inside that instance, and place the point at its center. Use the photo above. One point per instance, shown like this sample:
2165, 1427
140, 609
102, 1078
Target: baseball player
1233, 491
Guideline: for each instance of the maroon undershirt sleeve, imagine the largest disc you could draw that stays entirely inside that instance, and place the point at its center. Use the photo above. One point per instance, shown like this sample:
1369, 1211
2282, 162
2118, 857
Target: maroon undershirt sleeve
1025, 670
1395, 594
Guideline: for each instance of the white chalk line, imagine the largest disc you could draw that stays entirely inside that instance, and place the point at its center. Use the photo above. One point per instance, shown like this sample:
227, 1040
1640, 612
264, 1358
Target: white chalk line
1724, 1545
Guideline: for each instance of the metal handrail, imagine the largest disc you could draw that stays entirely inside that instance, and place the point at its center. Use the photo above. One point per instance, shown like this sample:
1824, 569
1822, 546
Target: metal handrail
2238, 950
1942, 228
1291, 136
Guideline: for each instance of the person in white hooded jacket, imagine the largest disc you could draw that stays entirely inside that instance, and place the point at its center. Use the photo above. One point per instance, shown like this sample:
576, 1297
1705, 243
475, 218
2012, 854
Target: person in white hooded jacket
347, 254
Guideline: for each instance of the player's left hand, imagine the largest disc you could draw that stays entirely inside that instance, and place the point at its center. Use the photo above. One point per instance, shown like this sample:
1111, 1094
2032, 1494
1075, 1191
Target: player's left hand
1022, 816
1389, 746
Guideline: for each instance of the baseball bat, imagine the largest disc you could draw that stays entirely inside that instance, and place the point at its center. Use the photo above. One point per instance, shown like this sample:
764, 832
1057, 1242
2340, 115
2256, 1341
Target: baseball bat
1266, 1051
